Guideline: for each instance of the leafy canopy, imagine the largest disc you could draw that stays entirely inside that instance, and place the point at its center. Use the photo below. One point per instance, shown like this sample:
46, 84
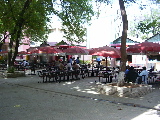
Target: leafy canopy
31, 17
150, 23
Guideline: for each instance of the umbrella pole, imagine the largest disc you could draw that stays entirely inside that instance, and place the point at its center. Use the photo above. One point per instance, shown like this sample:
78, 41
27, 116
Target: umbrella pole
83, 59
92, 74
106, 64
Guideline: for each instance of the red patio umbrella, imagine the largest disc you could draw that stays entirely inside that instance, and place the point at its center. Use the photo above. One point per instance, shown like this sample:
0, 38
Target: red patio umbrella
76, 51
23, 53
144, 47
34, 51
105, 51
46, 50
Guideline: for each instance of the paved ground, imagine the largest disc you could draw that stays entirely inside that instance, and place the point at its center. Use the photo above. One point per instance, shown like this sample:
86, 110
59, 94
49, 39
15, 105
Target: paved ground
27, 98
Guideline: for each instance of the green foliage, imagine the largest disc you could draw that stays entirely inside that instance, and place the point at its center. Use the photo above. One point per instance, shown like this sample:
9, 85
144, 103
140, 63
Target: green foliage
31, 16
147, 26
81, 61
146, 23
2, 61
74, 14
144, 37
11, 69
94, 57
84, 62
149, 22
20, 18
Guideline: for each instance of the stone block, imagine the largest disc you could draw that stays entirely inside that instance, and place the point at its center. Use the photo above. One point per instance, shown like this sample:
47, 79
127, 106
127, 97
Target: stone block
135, 91
123, 91
14, 75
110, 90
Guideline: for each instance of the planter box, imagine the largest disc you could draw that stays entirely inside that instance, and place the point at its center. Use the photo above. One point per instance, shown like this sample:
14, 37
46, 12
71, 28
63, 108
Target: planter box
14, 75
130, 91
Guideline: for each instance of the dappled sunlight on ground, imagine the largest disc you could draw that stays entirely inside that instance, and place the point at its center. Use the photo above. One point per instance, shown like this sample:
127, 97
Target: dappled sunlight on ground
147, 115
157, 106
76, 92
68, 83
89, 89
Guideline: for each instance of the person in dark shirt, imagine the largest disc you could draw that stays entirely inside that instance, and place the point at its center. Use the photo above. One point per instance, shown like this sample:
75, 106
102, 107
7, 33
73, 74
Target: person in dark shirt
70, 60
77, 60
131, 75
127, 69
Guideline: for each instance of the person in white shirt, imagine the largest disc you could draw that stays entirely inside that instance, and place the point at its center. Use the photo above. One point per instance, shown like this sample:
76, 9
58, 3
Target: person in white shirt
24, 63
69, 65
144, 75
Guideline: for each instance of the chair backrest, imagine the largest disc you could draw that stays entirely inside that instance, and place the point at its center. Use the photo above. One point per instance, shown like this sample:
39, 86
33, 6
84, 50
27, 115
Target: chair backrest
44, 71
76, 72
105, 74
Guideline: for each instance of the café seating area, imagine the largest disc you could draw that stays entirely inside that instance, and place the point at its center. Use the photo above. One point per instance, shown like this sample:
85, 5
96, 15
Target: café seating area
55, 75
52, 74
59, 76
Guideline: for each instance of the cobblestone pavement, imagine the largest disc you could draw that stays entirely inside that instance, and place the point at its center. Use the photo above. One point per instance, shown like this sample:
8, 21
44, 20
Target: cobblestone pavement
27, 98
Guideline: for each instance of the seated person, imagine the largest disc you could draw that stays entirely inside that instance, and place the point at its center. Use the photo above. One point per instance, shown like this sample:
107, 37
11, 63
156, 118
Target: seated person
145, 74
127, 69
75, 66
61, 66
132, 75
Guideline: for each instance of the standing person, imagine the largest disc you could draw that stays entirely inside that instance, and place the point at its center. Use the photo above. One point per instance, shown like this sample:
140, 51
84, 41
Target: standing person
77, 60
70, 60
69, 66
98, 60
144, 75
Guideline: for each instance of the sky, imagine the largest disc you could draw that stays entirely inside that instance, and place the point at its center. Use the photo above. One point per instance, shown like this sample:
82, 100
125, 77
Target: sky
100, 33
103, 29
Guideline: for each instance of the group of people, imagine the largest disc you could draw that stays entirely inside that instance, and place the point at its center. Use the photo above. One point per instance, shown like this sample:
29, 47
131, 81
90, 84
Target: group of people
70, 65
24, 63
73, 64
131, 75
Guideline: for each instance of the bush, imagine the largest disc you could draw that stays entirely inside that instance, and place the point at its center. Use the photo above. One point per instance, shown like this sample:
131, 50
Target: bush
11, 69
2, 61
85, 61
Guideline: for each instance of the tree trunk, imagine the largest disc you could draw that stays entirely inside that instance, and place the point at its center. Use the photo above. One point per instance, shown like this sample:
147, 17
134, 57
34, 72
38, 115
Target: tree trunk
123, 44
3, 40
124, 36
17, 34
